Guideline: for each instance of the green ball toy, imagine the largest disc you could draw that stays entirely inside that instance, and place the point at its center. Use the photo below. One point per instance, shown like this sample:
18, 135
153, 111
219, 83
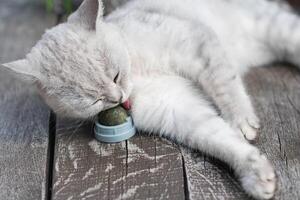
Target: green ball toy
113, 116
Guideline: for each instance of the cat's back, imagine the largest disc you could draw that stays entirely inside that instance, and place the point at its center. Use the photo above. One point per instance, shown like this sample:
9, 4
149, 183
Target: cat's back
222, 16
156, 27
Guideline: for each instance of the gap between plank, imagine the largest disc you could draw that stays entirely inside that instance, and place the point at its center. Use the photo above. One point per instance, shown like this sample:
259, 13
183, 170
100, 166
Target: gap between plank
185, 181
51, 149
51, 144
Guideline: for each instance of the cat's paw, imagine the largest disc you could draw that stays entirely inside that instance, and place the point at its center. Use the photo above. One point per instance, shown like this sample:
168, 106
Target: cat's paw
259, 179
248, 127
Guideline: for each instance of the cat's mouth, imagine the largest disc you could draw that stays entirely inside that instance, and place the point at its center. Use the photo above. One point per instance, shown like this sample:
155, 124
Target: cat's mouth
126, 105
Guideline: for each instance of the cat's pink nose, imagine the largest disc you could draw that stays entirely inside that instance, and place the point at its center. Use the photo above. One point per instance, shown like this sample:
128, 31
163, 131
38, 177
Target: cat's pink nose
126, 105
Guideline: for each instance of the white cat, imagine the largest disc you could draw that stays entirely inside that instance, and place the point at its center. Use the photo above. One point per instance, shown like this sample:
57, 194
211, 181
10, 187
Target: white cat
174, 59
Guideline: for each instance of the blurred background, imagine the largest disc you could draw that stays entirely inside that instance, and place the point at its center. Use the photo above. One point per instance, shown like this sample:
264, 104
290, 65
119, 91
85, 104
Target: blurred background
67, 6
62, 7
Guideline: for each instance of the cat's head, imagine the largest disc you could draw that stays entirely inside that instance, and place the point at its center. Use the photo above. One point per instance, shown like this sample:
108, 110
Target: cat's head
81, 67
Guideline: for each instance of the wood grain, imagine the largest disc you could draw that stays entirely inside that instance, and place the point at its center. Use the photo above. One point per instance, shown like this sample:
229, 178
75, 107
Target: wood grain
209, 178
23, 117
276, 94
142, 167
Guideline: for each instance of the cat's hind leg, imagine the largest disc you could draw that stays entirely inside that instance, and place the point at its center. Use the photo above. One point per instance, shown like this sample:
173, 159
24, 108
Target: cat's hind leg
173, 107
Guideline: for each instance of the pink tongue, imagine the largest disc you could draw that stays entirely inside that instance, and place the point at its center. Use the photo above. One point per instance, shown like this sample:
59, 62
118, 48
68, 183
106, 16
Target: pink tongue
126, 105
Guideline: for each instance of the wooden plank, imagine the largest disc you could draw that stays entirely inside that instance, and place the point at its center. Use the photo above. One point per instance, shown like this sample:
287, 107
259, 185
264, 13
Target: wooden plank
142, 167
276, 94
23, 117
209, 178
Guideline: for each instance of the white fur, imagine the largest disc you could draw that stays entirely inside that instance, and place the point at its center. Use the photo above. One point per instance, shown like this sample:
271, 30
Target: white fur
181, 63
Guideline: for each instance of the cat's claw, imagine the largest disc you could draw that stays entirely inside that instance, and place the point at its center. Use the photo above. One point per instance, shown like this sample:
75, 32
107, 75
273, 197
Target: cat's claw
249, 132
259, 178
249, 127
254, 122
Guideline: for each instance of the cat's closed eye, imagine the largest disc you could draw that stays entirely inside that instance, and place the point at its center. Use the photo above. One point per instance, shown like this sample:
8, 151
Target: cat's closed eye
100, 99
117, 77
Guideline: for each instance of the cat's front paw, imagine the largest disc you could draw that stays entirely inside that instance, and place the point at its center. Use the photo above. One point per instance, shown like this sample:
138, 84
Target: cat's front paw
259, 179
248, 127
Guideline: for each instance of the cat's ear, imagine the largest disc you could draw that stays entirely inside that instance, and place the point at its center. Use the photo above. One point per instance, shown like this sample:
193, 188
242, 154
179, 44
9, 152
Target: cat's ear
24, 68
89, 15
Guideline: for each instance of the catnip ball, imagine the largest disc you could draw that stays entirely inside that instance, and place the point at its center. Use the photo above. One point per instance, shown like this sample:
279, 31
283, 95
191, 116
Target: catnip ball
113, 116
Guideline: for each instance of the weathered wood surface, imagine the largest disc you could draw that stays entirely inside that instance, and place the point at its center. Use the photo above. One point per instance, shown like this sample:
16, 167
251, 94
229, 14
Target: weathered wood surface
142, 167
276, 95
23, 117
208, 178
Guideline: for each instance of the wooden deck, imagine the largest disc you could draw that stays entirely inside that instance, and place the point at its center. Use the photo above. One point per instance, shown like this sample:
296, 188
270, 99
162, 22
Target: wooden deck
43, 156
